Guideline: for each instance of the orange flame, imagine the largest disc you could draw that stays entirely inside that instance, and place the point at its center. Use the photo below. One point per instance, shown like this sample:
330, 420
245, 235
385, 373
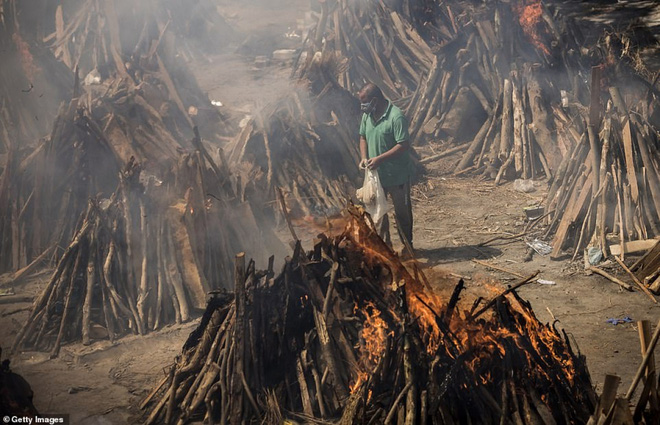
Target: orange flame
485, 339
374, 336
427, 322
374, 333
530, 14
476, 341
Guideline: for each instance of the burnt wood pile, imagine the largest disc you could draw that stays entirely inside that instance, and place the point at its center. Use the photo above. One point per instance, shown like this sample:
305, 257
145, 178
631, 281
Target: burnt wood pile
346, 334
89, 34
303, 144
482, 77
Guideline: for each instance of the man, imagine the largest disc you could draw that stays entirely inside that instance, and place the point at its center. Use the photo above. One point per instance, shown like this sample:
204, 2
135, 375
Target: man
384, 146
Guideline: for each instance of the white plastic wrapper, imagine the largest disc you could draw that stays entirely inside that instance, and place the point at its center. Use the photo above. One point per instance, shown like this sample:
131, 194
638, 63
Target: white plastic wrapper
372, 195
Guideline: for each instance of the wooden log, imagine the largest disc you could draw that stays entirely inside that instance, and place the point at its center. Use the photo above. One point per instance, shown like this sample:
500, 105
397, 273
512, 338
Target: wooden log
143, 289
498, 268
518, 128
633, 246
607, 397
630, 167
443, 154
599, 238
393, 410
285, 213
611, 278
329, 355
236, 389
89, 291
67, 307
573, 209
634, 278
411, 397
542, 127
507, 121
595, 156
647, 357
503, 294
181, 302
616, 175
304, 390
644, 327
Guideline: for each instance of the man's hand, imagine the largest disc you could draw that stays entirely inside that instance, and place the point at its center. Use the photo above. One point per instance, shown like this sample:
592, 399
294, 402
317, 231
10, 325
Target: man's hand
373, 163
363, 163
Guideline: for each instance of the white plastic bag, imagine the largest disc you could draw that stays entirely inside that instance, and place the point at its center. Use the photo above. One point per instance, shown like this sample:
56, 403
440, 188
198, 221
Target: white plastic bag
372, 195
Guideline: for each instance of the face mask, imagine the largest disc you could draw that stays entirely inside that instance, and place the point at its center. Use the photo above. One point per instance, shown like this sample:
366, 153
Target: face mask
368, 108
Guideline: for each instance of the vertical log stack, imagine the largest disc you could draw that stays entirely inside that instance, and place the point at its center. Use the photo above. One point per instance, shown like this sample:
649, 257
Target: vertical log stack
146, 256
304, 143
607, 190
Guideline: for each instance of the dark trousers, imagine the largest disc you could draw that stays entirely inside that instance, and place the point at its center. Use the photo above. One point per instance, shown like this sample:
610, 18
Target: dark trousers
400, 196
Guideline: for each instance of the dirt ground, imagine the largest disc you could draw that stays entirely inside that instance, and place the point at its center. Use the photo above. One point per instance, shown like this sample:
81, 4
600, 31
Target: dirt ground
105, 383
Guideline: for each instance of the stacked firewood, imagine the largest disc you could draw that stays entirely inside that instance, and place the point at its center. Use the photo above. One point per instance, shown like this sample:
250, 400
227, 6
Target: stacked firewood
345, 333
104, 39
145, 256
647, 269
140, 102
128, 266
466, 74
90, 142
305, 144
607, 189
360, 32
91, 34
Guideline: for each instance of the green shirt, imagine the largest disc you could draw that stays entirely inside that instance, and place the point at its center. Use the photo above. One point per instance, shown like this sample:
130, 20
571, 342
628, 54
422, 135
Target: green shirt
383, 135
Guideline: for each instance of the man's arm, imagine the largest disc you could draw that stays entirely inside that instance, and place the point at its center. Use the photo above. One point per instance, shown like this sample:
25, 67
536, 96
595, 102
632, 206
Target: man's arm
363, 152
396, 150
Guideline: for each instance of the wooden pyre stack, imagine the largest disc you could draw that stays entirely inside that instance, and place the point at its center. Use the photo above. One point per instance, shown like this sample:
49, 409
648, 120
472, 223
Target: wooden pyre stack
607, 190
304, 144
345, 334
104, 39
647, 269
91, 141
132, 97
145, 256
131, 210
473, 75
91, 34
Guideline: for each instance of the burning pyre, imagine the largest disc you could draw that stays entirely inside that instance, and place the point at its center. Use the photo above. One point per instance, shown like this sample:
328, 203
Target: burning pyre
346, 331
